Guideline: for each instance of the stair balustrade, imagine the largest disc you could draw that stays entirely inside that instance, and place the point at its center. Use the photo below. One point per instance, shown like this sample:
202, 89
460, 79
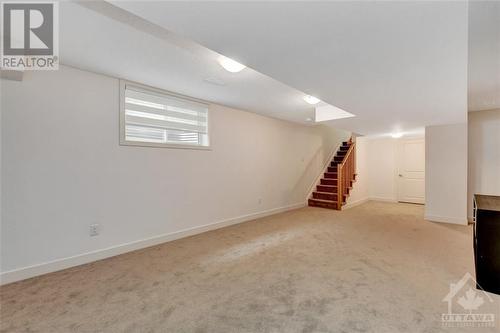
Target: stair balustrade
346, 173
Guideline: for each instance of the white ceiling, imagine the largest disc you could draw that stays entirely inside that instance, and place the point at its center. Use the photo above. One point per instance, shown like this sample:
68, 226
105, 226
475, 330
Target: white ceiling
484, 55
99, 37
396, 65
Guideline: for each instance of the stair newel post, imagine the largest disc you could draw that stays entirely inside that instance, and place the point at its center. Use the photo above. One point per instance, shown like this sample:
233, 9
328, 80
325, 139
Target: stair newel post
353, 161
339, 186
350, 170
344, 187
348, 180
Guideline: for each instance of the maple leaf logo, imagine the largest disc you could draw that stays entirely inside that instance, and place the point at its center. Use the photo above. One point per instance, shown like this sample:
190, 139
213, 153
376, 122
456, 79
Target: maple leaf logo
471, 301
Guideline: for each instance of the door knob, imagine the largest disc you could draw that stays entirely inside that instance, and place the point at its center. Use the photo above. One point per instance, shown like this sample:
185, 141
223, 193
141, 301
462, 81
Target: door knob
400, 175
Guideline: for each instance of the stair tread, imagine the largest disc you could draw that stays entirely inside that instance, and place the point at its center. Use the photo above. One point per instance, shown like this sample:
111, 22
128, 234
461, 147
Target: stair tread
328, 186
327, 201
329, 193
323, 200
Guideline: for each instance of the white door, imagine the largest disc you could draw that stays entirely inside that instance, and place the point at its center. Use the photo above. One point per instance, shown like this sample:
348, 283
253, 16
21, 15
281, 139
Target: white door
411, 176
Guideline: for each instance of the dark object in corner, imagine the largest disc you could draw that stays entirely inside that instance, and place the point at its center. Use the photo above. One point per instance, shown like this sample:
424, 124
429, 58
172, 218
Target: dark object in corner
487, 242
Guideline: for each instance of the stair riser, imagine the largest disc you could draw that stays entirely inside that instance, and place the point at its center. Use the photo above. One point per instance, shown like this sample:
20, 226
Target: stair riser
322, 204
324, 196
326, 181
322, 188
330, 175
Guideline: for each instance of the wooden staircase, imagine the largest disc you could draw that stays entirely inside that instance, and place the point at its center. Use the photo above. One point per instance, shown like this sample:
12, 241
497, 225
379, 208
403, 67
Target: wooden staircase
338, 179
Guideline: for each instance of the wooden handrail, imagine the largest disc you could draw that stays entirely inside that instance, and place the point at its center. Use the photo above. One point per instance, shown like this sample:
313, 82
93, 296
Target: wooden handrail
346, 173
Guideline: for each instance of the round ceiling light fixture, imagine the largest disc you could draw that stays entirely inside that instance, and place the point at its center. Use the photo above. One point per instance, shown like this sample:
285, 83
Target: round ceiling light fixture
396, 135
230, 65
311, 99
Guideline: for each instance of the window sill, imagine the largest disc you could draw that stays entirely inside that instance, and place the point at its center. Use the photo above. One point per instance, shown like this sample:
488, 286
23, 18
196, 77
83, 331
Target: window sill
162, 145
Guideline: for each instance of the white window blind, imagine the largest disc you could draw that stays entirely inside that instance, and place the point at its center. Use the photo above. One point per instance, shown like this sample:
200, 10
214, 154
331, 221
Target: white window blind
151, 117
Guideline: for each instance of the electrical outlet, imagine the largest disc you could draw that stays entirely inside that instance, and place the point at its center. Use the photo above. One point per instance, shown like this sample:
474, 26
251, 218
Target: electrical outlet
94, 230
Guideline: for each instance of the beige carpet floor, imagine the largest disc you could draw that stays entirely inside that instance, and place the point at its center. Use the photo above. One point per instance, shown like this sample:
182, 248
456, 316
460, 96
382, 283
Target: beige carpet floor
378, 267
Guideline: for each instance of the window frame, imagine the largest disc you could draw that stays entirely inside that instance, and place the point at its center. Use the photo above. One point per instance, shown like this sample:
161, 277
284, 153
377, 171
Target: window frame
151, 90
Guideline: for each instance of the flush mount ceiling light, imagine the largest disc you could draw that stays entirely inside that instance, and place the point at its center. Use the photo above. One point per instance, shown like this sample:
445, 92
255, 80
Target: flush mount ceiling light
230, 65
396, 135
311, 99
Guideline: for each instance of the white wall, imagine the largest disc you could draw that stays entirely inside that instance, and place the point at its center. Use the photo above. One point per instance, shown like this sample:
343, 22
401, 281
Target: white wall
376, 166
446, 173
63, 169
446, 169
383, 168
359, 192
484, 154
1, 163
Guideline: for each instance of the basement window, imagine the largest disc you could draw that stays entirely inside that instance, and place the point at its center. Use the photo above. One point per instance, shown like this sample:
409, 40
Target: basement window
156, 118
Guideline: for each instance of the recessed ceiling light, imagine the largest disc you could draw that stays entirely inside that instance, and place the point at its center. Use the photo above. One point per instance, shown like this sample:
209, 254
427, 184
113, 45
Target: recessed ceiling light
230, 65
311, 99
396, 135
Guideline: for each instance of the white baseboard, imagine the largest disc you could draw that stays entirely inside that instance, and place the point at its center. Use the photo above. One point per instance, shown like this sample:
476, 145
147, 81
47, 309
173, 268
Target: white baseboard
355, 203
384, 199
446, 219
433, 218
84, 258
362, 201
